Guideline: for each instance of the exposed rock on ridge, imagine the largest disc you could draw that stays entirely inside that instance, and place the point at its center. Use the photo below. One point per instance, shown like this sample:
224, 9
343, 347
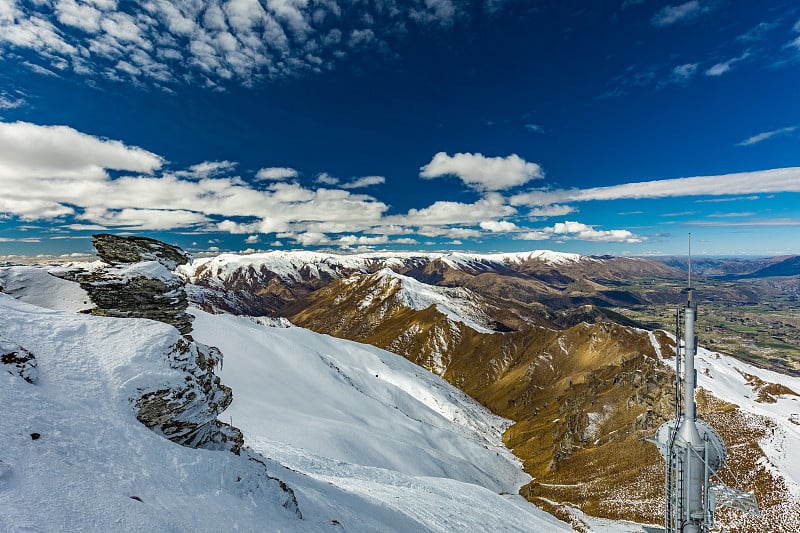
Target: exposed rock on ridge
18, 361
139, 283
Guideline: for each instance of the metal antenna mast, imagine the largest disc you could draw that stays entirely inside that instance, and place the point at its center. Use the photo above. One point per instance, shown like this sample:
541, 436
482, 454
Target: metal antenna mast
693, 450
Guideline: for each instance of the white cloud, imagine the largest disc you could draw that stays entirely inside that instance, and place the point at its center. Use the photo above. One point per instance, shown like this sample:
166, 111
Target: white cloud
55, 152
366, 181
327, 179
144, 219
361, 240
252, 239
683, 73
208, 169
767, 135
440, 12
276, 173
571, 230
673, 14
208, 43
764, 181
551, 211
481, 172
498, 226
447, 213
721, 68
534, 128
8, 101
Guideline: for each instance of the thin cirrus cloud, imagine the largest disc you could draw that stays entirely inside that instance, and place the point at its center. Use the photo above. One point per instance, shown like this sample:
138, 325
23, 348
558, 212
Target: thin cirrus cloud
673, 14
755, 139
742, 183
167, 42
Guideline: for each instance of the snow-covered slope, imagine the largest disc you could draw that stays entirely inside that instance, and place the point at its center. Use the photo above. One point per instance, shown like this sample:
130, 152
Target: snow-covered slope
457, 303
35, 285
370, 422
372, 442
74, 457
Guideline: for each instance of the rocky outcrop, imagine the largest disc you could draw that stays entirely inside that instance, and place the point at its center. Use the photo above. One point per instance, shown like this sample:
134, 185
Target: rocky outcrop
139, 281
18, 361
188, 414
116, 250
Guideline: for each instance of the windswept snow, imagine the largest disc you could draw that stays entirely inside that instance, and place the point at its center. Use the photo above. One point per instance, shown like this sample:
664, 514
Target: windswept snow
457, 303
355, 404
371, 442
35, 285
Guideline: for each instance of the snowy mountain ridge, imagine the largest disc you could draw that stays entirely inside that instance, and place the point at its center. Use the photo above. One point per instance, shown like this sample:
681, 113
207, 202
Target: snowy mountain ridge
294, 266
457, 303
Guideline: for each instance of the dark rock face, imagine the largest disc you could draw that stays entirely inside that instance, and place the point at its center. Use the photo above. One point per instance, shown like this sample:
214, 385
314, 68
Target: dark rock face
139, 297
18, 361
115, 250
139, 283
188, 415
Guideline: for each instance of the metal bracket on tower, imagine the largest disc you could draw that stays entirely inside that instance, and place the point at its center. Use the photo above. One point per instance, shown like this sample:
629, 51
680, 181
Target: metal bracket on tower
723, 495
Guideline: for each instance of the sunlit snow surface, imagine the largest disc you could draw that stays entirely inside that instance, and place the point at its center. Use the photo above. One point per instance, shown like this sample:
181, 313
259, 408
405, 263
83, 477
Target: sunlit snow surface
371, 423
402, 451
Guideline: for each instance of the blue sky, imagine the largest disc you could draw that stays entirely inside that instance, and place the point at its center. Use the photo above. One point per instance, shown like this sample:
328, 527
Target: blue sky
497, 125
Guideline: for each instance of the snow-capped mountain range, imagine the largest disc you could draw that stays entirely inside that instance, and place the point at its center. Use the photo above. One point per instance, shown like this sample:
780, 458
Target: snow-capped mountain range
345, 436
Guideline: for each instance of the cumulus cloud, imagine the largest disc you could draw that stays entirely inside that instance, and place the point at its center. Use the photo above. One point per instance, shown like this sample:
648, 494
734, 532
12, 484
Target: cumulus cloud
442, 213
48, 172
498, 226
59, 152
672, 14
276, 173
326, 179
481, 172
208, 169
571, 230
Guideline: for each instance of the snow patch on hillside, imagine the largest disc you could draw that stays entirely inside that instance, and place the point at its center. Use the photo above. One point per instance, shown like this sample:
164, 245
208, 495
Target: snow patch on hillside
456, 303
722, 375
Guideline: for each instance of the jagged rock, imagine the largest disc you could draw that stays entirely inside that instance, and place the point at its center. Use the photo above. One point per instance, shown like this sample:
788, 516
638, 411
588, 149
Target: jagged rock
121, 292
115, 250
18, 361
188, 415
139, 282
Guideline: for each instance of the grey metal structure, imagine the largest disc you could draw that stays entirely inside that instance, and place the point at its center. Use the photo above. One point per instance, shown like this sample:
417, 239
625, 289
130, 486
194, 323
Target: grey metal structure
693, 450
